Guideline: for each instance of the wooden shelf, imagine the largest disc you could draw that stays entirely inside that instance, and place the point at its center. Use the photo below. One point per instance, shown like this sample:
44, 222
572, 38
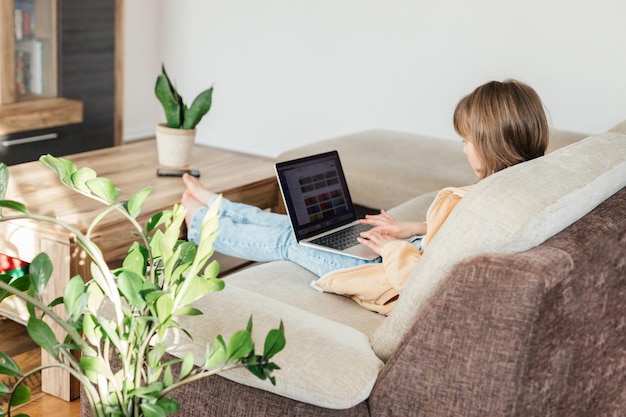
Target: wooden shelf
40, 113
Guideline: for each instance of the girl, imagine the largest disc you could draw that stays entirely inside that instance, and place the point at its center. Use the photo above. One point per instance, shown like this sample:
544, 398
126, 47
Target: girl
501, 123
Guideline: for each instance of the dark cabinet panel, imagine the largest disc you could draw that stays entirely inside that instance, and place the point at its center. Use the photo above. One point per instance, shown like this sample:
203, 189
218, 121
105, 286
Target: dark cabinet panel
87, 66
29, 146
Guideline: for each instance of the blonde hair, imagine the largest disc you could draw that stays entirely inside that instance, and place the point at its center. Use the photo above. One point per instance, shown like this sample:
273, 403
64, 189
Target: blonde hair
506, 123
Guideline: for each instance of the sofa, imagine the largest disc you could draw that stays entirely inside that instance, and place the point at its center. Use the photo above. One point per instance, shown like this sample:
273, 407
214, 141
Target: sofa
516, 309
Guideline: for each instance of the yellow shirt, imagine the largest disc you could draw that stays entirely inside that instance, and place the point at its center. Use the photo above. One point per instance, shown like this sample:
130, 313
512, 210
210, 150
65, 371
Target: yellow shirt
376, 286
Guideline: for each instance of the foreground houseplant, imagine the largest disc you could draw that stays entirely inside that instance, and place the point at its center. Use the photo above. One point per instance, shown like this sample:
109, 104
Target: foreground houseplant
175, 138
158, 281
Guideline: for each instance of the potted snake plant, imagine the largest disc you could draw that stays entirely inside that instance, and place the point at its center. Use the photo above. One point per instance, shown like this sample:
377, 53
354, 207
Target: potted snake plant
125, 313
176, 137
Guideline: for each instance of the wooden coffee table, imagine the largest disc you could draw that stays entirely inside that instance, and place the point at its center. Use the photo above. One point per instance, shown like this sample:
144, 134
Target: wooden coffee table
131, 167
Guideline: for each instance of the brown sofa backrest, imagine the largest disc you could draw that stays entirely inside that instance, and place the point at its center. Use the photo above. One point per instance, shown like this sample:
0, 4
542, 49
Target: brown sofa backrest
540, 333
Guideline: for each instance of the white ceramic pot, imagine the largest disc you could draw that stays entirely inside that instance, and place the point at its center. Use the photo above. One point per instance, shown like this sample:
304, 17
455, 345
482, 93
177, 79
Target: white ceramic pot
174, 146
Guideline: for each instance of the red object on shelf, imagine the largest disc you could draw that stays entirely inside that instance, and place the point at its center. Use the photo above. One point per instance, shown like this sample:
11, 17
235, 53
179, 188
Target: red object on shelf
12, 266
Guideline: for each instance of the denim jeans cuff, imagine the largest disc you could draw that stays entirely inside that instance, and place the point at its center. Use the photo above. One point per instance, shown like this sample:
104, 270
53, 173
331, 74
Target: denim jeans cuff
193, 232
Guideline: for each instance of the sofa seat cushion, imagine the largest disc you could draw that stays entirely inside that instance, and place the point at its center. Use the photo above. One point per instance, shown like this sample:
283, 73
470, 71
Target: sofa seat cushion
325, 362
289, 283
508, 212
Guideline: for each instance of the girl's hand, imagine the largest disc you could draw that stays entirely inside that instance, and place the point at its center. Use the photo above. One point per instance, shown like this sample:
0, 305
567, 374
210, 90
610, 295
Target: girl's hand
375, 240
385, 224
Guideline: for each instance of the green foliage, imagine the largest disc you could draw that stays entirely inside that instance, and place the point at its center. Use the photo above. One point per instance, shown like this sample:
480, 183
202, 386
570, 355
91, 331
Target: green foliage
177, 114
159, 280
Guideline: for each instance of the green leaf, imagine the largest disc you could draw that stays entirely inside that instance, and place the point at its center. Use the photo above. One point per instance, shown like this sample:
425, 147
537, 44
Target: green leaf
21, 284
136, 259
150, 392
56, 302
4, 390
240, 346
164, 308
90, 326
158, 219
198, 287
4, 180
41, 334
80, 178
212, 270
40, 270
75, 298
187, 252
135, 203
130, 285
155, 243
171, 101
168, 405
187, 366
109, 326
200, 106
63, 167
168, 377
152, 410
94, 366
155, 355
274, 342
21, 395
96, 296
103, 188
216, 353
8, 366
188, 312
14, 205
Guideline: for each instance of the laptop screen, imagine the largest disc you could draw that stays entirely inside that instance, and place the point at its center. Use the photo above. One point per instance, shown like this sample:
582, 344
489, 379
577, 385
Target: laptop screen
316, 194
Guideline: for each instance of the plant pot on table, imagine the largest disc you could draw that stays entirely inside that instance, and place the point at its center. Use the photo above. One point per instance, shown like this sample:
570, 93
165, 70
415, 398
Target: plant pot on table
174, 146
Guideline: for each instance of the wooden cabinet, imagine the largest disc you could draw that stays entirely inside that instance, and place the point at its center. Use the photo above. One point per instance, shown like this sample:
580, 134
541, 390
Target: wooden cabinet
57, 77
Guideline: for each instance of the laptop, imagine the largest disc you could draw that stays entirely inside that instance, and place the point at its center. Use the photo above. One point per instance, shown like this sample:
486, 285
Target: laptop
319, 206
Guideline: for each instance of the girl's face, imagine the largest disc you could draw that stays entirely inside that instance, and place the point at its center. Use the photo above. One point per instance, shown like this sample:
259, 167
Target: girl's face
472, 156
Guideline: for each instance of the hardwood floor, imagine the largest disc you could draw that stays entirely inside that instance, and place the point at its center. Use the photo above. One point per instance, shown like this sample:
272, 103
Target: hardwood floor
15, 342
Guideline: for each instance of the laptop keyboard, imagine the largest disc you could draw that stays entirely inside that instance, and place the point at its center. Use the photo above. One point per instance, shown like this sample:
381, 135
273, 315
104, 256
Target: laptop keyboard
342, 239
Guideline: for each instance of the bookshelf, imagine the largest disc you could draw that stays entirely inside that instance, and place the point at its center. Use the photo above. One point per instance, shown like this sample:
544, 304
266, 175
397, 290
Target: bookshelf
28, 69
59, 87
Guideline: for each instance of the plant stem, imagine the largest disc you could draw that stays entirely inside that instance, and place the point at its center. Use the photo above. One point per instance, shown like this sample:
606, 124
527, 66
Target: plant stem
89, 389
200, 375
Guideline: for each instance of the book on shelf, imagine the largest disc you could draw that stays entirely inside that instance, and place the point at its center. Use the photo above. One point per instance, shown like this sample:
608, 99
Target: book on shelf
29, 66
24, 19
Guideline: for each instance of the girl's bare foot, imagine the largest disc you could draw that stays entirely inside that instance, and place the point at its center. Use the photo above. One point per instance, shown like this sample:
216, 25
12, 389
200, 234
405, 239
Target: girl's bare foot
191, 204
197, 190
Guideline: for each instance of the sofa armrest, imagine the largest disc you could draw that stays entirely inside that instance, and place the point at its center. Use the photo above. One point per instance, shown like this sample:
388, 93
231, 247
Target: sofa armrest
464, 353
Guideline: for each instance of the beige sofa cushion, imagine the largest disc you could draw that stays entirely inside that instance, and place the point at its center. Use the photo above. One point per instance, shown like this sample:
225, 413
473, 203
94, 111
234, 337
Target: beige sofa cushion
289, 283
379, 181
511, 211
414, 209
619, 128
327, 361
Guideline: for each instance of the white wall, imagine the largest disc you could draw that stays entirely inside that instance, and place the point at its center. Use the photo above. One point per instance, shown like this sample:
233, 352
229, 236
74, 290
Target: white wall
142, 57
290, 72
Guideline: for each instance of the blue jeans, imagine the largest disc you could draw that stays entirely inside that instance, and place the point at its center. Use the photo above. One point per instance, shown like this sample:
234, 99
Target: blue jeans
251, 233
